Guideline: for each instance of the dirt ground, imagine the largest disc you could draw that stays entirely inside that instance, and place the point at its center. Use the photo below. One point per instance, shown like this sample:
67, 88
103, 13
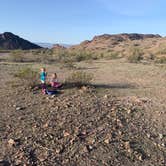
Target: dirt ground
119, 120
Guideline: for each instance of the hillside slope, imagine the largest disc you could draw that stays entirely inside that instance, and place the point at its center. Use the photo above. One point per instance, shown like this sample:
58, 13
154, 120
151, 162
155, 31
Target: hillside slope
9, 41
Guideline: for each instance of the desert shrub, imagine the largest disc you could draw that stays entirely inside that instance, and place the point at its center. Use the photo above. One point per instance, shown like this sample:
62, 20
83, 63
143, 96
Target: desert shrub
83, 56
162, 51
79, 79
135, 56
17, 56
161, 60
151, 56
28, 77
113, 55
69, 64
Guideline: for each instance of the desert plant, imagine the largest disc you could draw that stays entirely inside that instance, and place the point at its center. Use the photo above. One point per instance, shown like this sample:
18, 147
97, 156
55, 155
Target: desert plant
17, 56
135, 56
69, 64
151, 56
162, 51
112, 55
161, 60
28, 77
79, 79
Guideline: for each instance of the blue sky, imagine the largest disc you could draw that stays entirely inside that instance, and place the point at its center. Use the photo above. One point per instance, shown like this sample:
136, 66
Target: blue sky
72, 21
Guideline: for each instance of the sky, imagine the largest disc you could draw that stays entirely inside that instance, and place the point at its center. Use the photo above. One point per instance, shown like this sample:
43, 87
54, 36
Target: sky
73, 21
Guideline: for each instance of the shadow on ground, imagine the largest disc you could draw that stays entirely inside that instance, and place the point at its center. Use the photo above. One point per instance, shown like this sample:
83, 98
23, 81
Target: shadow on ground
100, 86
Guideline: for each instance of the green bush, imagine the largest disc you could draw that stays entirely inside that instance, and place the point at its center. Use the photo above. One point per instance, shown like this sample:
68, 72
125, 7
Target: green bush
79, 79
135, 56
161, 60
28, 77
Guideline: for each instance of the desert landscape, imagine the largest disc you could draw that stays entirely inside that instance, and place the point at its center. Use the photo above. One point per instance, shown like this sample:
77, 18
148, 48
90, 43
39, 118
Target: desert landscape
111, 109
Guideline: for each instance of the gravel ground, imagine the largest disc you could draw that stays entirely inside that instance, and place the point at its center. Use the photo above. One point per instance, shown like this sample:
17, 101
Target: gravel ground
76, 127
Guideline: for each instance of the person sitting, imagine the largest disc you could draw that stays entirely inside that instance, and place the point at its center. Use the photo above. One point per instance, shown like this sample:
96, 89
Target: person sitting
54, 81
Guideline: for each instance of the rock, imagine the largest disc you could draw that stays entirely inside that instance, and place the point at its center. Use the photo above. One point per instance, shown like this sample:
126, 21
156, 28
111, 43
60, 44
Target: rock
66, 134
43, 156
161, 136
106, 96
45, 125
11, 142
19, 108
127, 146
129, 111
107, 141
89, 148
148, 135
57, 151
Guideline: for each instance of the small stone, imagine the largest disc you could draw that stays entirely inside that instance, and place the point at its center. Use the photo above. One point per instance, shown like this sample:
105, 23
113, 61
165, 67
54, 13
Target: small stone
19, 108
163, 144
106, 96
107, 141
128, 111
43, 156
11, 142
161, 136
140, 157
57, 151
148, 135
66, 134
89, 148
45, 125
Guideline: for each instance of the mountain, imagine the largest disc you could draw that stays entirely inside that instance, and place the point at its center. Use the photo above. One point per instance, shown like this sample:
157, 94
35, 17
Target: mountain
45, 45
51, 45
107, 41
9, 41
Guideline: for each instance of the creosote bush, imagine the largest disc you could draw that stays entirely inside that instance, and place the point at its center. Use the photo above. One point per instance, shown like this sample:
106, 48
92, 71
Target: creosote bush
135, 56
17, 56
161, 60
28, 77
79, 79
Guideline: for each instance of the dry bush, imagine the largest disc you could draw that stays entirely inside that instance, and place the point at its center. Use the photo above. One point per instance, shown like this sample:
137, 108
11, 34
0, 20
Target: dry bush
112, 55
79, 79
28, 77
161, 60
135, 56
17, 56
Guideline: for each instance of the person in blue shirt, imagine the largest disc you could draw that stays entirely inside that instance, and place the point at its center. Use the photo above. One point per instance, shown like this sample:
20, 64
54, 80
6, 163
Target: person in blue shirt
43, 75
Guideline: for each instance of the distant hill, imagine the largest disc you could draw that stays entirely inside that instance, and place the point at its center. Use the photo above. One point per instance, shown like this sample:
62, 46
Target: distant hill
107, 41
9, 41
51, 45
45, 45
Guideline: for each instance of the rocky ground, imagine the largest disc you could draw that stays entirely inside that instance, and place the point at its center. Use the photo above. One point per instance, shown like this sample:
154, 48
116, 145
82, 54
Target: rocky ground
76, 127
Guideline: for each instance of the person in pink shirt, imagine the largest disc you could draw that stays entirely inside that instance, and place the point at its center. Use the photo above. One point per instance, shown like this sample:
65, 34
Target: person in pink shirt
54, 81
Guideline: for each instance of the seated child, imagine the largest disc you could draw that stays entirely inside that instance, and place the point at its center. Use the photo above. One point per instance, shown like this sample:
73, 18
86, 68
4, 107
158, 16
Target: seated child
54, 81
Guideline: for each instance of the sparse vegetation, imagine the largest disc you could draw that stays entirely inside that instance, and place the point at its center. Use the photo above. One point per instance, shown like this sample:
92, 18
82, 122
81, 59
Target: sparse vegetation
28, 77
135, 56
79, 79
17, 56
161, 60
